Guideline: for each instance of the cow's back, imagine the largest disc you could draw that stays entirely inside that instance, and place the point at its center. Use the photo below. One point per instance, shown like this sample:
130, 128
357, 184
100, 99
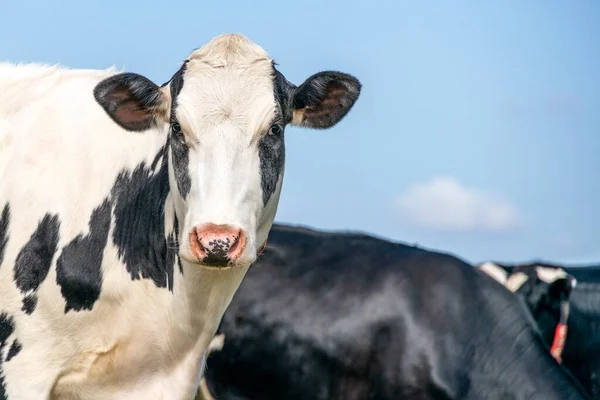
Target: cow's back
338, 316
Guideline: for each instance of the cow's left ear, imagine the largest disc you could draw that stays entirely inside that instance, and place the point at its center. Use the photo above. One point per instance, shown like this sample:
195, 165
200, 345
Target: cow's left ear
324, 99
133, 101
560, 289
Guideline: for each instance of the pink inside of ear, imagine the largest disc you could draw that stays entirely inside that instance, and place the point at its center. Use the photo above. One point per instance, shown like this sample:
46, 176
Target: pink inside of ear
129, 113
332, 100
121, 93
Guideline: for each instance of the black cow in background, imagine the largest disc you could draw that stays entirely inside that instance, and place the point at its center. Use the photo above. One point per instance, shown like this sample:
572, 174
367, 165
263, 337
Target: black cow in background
552, 292
349, 316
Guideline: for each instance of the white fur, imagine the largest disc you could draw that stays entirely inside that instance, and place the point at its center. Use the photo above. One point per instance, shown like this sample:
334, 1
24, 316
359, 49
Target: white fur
550, 275
226, 105
216, 344
516, 280
60, 153
495, 271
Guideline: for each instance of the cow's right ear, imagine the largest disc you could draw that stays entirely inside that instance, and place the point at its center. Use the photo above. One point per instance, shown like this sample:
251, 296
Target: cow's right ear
560, 289
133, 101
324, 99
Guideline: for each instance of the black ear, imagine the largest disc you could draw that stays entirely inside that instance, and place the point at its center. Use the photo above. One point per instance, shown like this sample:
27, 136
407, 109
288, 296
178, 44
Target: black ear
132, 101
560, 289
324, 99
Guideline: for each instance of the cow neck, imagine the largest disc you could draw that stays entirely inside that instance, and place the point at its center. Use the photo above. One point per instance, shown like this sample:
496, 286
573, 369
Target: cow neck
146, 234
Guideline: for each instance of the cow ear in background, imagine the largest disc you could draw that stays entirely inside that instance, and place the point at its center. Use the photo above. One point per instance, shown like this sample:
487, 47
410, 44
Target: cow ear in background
560, 289
324, 99
133, 101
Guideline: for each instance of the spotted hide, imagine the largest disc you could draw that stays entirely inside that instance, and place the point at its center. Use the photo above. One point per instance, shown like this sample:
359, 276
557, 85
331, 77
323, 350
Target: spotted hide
130, 213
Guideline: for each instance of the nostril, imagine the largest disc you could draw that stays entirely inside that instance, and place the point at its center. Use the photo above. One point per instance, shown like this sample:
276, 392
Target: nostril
196, 246
199, 240
234, 244
237, 247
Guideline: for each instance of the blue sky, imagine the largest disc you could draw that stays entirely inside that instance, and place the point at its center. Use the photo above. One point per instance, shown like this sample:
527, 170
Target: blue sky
477, 131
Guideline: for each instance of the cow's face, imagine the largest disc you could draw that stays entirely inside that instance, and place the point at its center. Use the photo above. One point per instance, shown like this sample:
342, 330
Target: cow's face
226, 111
542, 288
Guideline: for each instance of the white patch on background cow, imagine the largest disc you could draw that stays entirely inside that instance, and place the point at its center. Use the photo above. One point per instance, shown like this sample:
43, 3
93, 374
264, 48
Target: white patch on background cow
516, 280
107, 182
550, 275
495, 271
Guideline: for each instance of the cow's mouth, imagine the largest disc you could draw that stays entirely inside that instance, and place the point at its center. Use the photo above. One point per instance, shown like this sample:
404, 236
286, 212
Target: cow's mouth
219, 263
261, 249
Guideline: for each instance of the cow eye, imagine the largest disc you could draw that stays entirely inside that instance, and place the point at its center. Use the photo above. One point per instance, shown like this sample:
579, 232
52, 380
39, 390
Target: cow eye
275, 130
176, 127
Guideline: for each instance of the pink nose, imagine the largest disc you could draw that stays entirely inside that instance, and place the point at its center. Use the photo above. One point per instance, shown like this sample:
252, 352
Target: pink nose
217, 245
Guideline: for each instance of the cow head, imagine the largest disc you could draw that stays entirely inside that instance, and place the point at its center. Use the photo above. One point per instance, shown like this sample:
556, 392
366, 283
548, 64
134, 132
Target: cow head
543, 289
225, 112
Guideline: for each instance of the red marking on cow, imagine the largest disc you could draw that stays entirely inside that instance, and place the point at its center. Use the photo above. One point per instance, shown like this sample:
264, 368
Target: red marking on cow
558, 344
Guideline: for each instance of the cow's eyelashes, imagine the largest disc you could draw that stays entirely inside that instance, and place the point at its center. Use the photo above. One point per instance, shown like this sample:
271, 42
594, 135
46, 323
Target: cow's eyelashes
275, 130
175, 127
177, 132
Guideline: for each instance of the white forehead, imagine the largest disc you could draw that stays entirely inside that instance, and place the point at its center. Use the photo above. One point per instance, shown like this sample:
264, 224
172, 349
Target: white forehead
228, 81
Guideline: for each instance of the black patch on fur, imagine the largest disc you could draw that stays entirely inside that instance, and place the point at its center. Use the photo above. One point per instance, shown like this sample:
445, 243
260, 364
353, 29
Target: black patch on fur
14, 350
271, 153
173, 244
181, 160
326, 97
156, 160
271, 148
284, 95
4, 221
29, 303
78, 269
130, 100
7, 327
35, 258
171, 256
139, 232
179, 149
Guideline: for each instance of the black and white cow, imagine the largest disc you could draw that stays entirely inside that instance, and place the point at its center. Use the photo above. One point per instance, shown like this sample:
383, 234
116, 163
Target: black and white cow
584, 273
130, 212
566, 310
327, 316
